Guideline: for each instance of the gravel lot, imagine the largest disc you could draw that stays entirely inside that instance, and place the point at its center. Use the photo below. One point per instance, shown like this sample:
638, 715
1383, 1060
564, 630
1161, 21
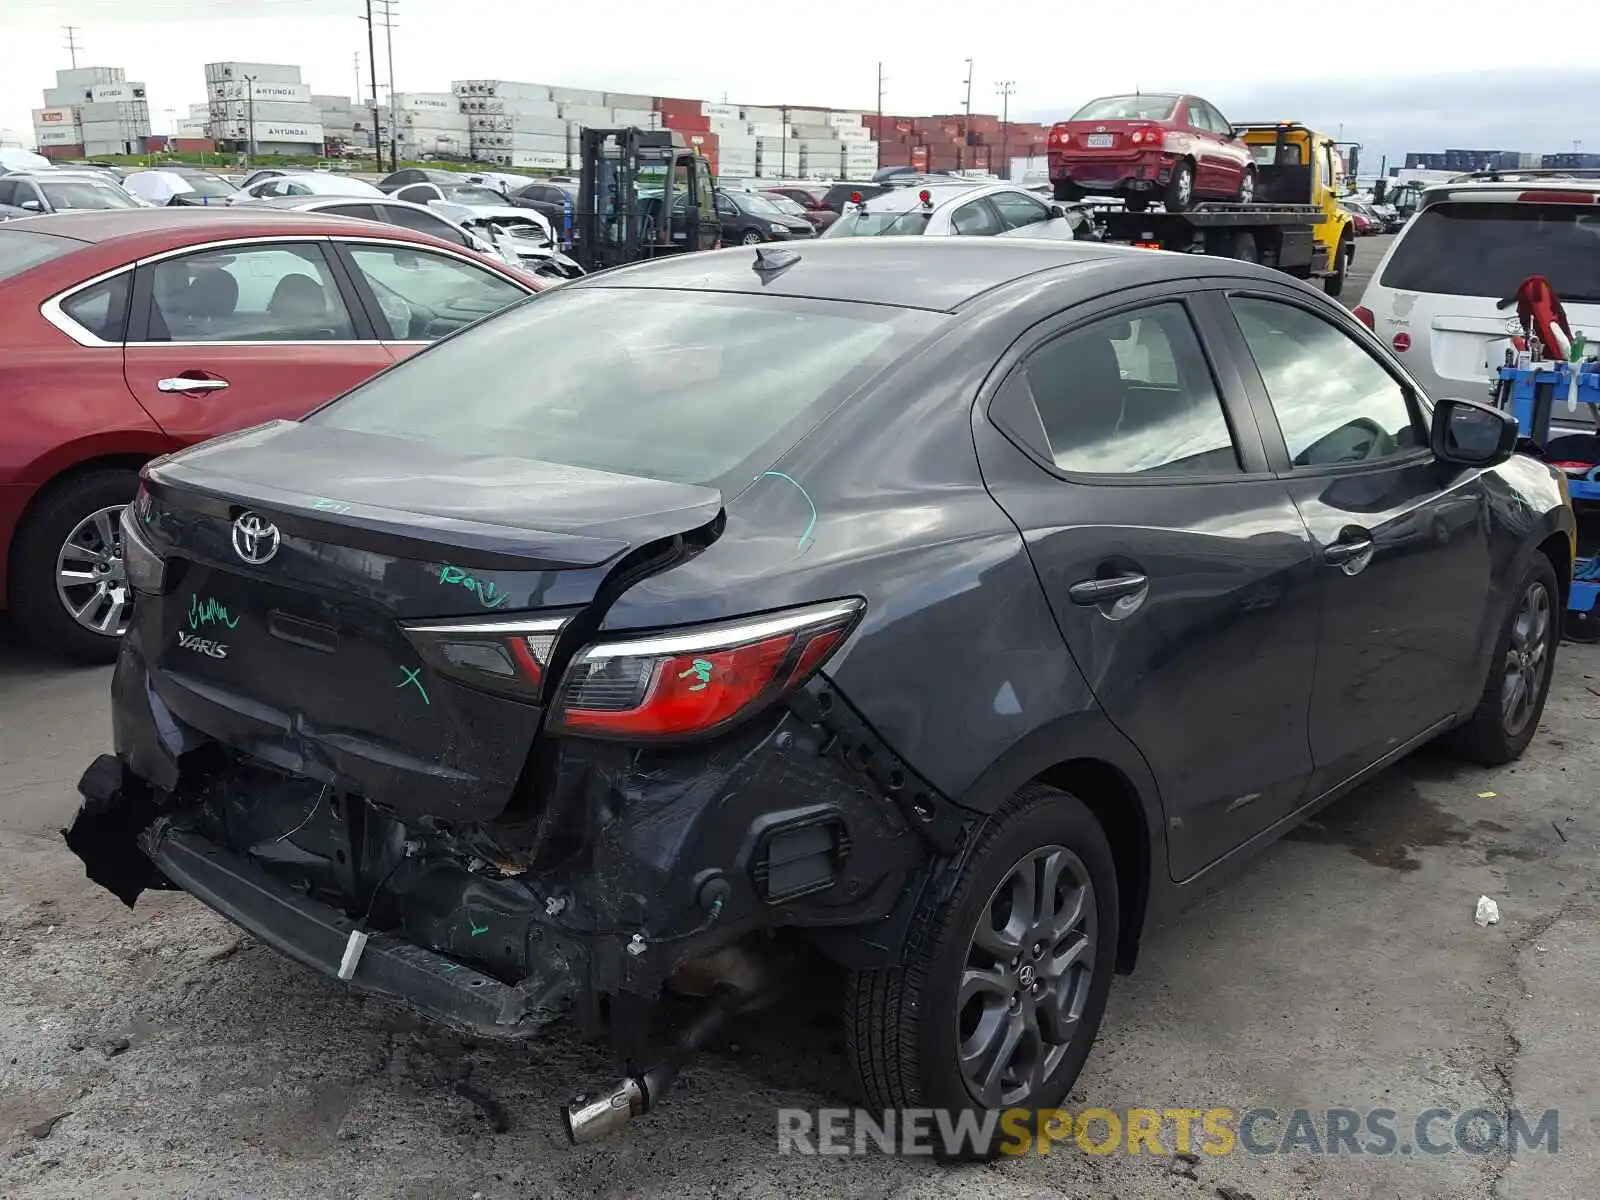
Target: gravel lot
158, 1053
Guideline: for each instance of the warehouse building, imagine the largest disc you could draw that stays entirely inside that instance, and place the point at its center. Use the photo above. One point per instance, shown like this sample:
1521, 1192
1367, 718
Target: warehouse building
1573, 161
92, 111
262, 108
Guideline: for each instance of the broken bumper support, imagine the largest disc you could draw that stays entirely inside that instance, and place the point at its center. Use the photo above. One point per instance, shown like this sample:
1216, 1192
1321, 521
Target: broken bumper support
318, 935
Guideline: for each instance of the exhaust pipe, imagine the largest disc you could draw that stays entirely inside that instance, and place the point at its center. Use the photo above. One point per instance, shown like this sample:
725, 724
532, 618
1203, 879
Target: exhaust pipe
591, 1120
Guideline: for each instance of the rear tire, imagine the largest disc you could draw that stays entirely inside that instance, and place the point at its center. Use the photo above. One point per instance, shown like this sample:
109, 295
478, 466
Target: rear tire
1066, 190
1508, 711
1247, 187
1244, 248
1179, 194
1010, 969
66, 510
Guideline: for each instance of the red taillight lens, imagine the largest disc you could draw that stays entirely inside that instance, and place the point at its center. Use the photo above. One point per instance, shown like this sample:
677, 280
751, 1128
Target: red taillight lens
1364, 314
689, 684
1402, 342
1146, 137
507, 656
1555, 197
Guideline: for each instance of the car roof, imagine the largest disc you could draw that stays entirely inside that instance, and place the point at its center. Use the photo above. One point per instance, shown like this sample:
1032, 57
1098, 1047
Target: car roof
940, 194
144, 231
1506, 188
937, 274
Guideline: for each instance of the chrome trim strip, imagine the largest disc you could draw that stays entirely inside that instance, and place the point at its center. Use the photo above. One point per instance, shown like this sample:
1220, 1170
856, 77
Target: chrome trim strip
512, 625
737, 633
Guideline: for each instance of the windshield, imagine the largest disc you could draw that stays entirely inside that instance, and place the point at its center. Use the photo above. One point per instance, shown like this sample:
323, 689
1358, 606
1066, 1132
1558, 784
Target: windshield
474, 195
20, 251
209, 185
674, 385
755, 205
84, 193
880, 224
786, 206
1487, 249
1127, 108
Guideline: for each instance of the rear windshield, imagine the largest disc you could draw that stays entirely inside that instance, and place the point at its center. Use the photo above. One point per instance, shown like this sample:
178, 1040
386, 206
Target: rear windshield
1127, 108
21, 251
1487, 249
209, 185
81, 194
880, 224
673, 385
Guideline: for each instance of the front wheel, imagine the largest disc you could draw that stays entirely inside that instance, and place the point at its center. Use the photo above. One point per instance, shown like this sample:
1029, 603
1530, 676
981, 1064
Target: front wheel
1005, 978
69, 590
1247, 187
1512, 701
751, 238
1343, 258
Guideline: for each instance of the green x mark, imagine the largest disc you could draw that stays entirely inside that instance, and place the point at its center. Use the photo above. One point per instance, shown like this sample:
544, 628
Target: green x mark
476, 928
412, 675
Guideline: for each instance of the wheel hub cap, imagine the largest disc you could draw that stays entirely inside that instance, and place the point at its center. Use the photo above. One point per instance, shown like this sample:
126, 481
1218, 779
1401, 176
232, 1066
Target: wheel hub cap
1026, 977
91, 580
1527, 660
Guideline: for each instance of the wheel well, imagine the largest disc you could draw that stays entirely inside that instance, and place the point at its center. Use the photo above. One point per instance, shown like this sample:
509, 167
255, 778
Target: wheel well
1558, 550
106, 462
1115, 804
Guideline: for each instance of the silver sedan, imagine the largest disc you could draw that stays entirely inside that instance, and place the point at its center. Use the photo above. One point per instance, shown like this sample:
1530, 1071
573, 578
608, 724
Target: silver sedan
956, 209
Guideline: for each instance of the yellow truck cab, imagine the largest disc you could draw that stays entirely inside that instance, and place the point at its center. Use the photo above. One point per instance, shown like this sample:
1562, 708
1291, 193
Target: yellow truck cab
1298, 165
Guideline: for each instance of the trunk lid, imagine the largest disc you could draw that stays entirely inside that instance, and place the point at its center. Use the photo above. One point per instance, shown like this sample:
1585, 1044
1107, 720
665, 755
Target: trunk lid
298, 554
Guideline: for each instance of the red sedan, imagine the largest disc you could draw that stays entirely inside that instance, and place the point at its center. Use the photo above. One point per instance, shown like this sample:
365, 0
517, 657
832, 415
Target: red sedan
130, 334
1172, 148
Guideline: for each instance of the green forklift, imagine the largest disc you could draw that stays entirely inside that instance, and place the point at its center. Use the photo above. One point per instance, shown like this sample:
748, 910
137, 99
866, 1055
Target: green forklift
642, 193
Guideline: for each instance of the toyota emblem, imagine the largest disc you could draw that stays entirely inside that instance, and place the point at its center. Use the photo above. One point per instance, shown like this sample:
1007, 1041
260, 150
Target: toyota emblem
254, 540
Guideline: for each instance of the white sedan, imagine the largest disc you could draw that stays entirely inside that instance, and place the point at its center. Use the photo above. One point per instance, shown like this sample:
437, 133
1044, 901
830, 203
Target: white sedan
956, 209
304, 183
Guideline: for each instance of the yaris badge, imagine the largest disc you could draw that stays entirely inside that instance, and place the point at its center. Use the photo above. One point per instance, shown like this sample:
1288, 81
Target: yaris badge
254, 540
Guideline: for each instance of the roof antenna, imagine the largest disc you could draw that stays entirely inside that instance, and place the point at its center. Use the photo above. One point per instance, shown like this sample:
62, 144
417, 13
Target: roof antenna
773, 259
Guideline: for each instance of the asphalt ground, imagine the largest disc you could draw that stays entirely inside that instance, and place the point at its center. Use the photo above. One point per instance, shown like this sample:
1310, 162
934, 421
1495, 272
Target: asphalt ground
159, 1053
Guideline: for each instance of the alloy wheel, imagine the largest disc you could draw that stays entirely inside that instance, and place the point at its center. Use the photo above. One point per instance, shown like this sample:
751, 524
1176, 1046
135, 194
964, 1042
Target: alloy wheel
91, 580
1185, 186
1527, 659
1247, 188
1026, 976
752, 238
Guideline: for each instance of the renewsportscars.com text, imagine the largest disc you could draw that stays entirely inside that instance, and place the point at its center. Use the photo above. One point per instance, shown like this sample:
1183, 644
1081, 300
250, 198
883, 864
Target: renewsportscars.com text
1378, 1132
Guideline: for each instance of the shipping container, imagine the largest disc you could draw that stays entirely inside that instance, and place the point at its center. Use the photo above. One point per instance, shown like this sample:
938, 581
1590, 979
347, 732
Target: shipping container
844, 120
261, 72
73, 150
676, 104
278, 93
766, 116
593, 116
291, 114
726, 112
536, 125
521, 141
686, 124
504, 89
46, 117
646, 118
83, 77
116, 93
581, 97
535, 160
425, 102
60, 135
628, 100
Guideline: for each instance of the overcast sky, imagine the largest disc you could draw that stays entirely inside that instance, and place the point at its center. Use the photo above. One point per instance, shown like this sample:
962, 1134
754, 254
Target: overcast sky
1411, 79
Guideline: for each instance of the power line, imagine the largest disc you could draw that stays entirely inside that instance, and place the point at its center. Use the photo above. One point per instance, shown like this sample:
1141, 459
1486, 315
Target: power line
72, 43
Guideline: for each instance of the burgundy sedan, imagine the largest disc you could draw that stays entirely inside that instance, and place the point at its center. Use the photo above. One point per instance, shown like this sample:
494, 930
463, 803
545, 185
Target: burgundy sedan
133, 333
1172, 148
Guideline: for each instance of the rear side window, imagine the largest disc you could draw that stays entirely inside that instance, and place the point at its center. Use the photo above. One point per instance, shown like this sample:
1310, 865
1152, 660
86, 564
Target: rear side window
22, 251
685, 386
880, 224
103, 309
1131, 395
1486, 249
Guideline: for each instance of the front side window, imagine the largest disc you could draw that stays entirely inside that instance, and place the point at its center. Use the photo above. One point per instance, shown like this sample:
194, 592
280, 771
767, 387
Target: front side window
424, 296
686, 386
275, 293
976, 219
1335, 404
422, 222
1131, 395
1017, 210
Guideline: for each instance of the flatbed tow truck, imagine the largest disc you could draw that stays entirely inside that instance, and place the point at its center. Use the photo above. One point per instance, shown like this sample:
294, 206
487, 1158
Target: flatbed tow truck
1296, 225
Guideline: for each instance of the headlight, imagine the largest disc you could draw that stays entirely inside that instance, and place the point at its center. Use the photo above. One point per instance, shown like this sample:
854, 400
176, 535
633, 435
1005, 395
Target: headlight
780, 229
146, 569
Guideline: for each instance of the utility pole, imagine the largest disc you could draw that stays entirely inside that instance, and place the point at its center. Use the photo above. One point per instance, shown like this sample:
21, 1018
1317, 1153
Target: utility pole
356, 95
72, 43
372, 64
250, 120
784, 142
880, 98
966, 125
1004, 90
386, 8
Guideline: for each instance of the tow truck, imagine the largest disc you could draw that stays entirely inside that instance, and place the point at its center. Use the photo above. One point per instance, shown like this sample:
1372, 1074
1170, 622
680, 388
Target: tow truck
642, 193
1295, 224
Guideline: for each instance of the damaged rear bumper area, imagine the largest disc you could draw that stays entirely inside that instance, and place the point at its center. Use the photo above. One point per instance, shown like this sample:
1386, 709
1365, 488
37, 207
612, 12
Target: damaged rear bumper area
623, 879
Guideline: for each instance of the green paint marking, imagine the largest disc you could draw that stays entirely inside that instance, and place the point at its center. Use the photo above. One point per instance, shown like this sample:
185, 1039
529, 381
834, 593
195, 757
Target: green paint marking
209, 613
476, 928
485, 592
412, 676
701, 670
812, 523
320, 504
452, 967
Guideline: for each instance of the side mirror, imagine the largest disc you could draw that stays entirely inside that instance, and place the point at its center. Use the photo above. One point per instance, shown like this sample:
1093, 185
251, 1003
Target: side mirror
1470, 434
1057, 212
32, 206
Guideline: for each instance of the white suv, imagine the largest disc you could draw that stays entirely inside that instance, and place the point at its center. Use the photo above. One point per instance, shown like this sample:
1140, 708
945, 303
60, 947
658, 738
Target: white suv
1435, 297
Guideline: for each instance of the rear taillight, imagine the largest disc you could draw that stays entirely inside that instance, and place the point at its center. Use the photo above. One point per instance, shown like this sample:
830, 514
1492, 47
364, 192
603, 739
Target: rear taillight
146, 569
687, 684
509, 656
1146, 137
1057, 136
1364, 314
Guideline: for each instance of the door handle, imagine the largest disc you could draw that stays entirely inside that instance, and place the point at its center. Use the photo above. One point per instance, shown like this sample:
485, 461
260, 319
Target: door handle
1339, 553
1093, 592
180, 384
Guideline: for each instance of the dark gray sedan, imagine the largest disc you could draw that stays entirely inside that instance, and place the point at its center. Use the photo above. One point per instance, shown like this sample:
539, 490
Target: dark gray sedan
949, 608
